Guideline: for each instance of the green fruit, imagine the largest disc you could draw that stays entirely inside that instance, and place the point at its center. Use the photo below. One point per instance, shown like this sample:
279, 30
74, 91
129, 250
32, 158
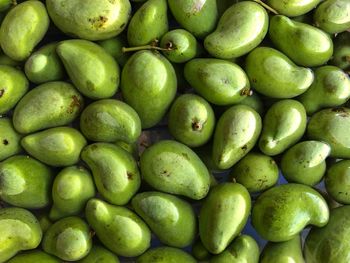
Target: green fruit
9, 139
254, 101
25, 182
92, 70
59, 146
13, 85
341, 54
90, 19
223, 215
311, 46
44, 220
337, 181
293, 8
114, 47
165, 255
284, 124
330, 88
48, 105
172, 167
34, 256
150, 22
282, 212
241, 29
199, 252
219, 81
44, 65
243, 249
331, 126
197, 17
115, 172
283, 252
110, 120
274, 75
191, 120
68, 239
330, 243
236, 133
7, 61
20, 230
23, 28
256, 172
169, 217
118, 228
99, 254
5, 5
332, 16
72, 188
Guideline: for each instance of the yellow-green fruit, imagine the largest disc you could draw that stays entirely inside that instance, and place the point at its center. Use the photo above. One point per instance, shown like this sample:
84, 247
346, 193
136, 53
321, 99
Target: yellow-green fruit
199, 252
99, 254
337, 181
34, 256
114, 47
341, 54
293, 8
9, 139
165, 255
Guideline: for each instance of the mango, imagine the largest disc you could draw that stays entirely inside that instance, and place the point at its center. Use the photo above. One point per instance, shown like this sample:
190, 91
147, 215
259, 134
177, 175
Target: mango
114, 47
293, 8
254, 101
165, 255
199, 252
7, 61
337, 181
99, 254
36, 256
9, 139
341, 54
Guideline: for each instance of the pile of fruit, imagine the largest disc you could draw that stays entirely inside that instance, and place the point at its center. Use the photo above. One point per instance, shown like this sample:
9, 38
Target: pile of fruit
156, 131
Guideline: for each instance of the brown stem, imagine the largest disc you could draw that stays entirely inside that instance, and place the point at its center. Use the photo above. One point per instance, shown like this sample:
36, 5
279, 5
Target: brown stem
146, 47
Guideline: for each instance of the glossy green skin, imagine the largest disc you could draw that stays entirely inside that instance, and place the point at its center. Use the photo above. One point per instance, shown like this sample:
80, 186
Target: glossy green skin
20, 230
332, 16
68, 239
9, 139
283, 252
241, 28
92, 70
341, 54
72, 188
110, 120
330, 243
254, 101
7, 61
114, 47
59, 146
331, 88
150, 22
44, 65
196, 16
282, 212
169, 217
48, 105
292, 8
284, 124
199, 252
305, 162
256, 172
223, 215
330, 126
99, 254
149, 86
274, 75
306, 45
14, 85
23, 28
172, 167
243, 249
34, 256
165, 255
191, 120
25, 182
236, 133
183, 45
337, 181
118, 228
115, 172
89, 19
219, 81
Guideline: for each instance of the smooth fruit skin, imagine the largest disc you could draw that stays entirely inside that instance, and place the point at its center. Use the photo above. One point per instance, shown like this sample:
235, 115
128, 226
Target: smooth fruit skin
93, 71
36, 256
331, 126
254, 101
311, 46
118, 228
149, 85
330, 243
172, 167
283, 125
99, 254
114, 47
292, 8
9, 139
274, 75
223, 215
23, 28
191, 120
47, 105
341, 54
90, 19
219, 81
20, 230
165, 255
337, 181
240, 29
282, 212
199, 252
236, 133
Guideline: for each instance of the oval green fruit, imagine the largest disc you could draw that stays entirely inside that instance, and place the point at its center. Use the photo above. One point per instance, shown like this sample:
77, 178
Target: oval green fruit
99, 254
36, 256
293, 8
165, 255
341, 54
114, 47
9, 139
199, 252
337, 181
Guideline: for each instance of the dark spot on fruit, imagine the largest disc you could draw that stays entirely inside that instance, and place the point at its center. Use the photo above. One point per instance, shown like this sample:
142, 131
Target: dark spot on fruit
5, 142
90, 86
254, 81
244, 148
246, 92
185, 156
196, 126
2, 91
122, 25
342, 112
169, 45
166, 173
74, 103
98, 22
130, 175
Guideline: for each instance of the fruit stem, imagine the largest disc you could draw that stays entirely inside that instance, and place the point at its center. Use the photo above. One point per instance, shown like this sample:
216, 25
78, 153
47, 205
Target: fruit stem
146, 47
266, 6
